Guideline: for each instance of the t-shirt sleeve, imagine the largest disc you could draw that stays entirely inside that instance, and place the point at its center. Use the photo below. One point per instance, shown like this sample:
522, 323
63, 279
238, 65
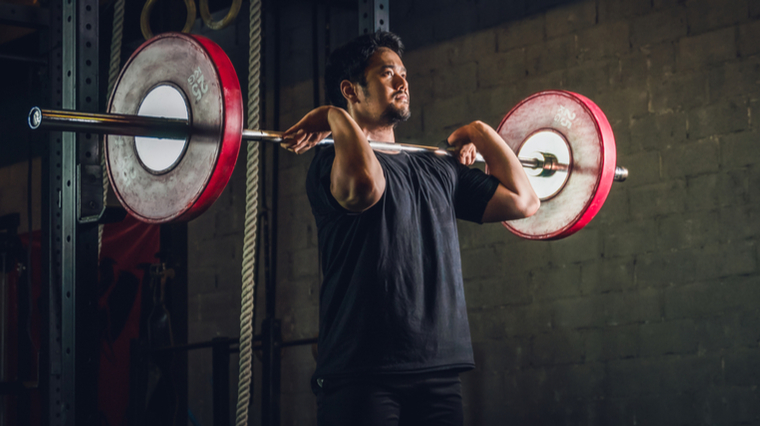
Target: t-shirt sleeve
473, 192
318, 183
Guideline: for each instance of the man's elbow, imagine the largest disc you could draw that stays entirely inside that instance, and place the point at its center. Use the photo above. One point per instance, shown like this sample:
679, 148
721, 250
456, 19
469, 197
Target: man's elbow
359, 195
529, 205
508, 206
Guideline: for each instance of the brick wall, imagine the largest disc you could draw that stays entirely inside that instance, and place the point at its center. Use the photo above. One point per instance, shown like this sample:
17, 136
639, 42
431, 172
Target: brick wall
650, 314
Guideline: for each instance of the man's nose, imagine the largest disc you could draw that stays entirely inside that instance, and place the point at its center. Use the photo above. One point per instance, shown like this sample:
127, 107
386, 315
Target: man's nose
400, 83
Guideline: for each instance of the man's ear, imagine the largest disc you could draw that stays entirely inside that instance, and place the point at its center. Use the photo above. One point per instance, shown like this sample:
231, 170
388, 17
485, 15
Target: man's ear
349, 91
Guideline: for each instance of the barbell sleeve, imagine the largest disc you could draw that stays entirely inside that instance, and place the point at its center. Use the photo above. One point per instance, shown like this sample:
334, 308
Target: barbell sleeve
621, 174
160, 127
106, 123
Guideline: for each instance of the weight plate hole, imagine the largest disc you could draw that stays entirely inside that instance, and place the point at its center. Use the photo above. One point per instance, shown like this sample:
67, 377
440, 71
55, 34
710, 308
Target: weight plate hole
547, 145
159, 155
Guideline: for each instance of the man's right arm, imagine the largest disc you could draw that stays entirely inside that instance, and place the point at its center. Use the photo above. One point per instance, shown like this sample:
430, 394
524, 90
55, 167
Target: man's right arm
356, 179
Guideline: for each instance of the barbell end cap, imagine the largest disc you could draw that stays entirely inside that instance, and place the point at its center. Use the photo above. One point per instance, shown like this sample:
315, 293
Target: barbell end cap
35, 118
621, 174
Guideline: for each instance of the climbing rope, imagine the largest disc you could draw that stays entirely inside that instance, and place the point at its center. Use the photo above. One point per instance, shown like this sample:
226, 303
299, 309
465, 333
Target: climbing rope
118, 31
113, 73
251, 217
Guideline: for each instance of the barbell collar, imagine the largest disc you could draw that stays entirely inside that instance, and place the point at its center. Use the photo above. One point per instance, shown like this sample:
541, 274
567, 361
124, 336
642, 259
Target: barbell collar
160, 127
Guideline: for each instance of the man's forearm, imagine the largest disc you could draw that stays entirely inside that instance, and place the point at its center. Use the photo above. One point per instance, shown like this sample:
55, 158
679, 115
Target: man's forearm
502, 161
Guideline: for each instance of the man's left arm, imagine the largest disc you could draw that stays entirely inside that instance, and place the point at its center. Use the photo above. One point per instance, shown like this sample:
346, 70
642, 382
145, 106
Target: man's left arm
514, 198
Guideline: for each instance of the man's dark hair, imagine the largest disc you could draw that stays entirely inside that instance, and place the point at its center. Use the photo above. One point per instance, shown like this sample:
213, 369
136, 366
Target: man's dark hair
349, 62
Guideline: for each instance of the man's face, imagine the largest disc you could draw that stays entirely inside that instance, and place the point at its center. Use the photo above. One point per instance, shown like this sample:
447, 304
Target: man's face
386, 96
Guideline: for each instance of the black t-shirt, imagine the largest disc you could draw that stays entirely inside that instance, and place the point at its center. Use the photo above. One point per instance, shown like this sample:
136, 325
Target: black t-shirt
392, 299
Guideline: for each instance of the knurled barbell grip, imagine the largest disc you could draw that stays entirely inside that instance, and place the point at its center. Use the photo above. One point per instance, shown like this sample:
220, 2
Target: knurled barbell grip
621, 173
159, 127
276, 137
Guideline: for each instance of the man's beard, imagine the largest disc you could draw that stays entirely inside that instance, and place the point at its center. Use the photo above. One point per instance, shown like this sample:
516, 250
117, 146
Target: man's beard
394, 115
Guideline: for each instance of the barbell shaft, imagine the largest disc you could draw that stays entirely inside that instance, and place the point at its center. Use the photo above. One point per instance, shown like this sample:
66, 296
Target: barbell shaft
159, 127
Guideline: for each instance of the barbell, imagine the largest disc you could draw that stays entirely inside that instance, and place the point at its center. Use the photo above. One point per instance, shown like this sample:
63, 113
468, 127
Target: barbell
167, 128
175, 124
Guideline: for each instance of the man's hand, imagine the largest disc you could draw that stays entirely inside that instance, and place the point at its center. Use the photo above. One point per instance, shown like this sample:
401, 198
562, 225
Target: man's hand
514, 198
465, 150
305, 134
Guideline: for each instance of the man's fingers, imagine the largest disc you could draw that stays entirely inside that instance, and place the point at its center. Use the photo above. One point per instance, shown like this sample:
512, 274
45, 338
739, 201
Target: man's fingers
467, 154
301, 140
293, 139
302, 145
466, 157
292, 133
309, 141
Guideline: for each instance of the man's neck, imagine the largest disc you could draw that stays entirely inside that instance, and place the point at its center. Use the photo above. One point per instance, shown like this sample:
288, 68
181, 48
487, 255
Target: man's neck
380, 134
374, 131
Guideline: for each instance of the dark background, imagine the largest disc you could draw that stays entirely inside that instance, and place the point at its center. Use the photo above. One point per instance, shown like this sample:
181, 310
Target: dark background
649, 315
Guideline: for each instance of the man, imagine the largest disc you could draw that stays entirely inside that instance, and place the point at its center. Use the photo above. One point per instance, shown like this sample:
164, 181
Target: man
393, 333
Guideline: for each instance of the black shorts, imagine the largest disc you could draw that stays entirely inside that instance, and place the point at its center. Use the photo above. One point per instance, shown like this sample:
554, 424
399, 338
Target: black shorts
433, 398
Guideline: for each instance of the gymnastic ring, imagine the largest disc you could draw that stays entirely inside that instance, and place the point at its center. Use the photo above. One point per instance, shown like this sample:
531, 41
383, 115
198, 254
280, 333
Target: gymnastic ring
218, 25
148, 8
